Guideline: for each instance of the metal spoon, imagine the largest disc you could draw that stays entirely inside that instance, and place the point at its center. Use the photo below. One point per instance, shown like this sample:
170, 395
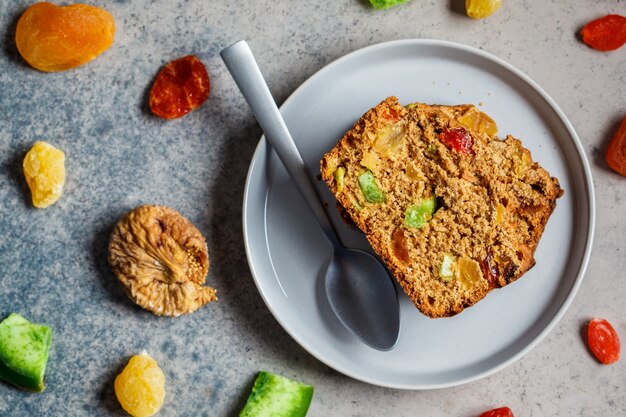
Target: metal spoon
358, 286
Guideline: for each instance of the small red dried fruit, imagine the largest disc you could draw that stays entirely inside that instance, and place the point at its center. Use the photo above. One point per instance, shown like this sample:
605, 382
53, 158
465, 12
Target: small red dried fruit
603, 341
605, 34
498, 412
616, 151
458, 139
181, 86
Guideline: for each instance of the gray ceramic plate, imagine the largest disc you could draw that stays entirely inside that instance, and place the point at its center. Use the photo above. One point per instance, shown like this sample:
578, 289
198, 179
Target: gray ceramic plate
287, 252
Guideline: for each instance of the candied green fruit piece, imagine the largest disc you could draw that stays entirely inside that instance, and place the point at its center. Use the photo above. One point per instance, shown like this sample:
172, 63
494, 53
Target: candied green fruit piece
419, 214
385, 4
276, 396
448, 265
24, 350
371, 190
340, 173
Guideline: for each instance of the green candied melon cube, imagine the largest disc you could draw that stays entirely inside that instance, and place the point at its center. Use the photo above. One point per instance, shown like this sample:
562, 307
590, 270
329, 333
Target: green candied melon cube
340, 173
370, 189
385, 4
276, 396
24, 350
419, 214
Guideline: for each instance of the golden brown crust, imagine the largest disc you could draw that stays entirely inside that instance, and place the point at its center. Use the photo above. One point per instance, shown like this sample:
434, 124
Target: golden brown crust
492, 203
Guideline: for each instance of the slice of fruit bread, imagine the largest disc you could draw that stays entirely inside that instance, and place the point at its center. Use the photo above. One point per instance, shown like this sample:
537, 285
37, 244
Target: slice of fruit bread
451, 209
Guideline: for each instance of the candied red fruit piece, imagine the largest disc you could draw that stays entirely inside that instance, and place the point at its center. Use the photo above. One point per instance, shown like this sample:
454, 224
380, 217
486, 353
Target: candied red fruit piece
498, 412
603, 341
458, 139
180, 87
606, 33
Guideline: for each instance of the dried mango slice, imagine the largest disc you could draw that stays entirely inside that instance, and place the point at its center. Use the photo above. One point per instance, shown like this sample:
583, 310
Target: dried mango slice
57, 38
140, 387
44, 169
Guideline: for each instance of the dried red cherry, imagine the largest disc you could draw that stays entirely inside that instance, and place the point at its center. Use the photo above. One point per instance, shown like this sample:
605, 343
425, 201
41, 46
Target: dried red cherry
458, 139
181, 86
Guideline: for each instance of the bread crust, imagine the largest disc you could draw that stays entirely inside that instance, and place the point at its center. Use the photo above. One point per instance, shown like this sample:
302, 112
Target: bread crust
492, 204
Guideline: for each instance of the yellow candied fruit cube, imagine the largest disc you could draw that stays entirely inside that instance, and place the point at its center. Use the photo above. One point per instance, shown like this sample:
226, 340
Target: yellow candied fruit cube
140, 387
479, 9
476, 120
44, 169
469, 272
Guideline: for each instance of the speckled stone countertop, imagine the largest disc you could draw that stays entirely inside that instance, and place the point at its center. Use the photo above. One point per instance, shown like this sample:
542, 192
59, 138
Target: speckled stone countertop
53, 265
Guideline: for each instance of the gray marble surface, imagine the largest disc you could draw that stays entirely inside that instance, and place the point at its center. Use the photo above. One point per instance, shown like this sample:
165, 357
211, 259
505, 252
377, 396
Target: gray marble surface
53, 264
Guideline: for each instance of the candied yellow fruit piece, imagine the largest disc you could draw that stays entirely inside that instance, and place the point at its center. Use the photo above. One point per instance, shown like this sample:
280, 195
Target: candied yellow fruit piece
479, 9
140, 387
469, 272
389, 140
476, 120
44, 169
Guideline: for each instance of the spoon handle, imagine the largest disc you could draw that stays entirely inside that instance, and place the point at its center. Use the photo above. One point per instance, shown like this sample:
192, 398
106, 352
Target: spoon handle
247, 75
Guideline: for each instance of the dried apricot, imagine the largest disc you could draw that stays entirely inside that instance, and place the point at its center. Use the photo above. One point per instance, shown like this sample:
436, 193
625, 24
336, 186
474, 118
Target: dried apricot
605, 34
479, 9
616, 151
140, 387
603, 341
180, 87
44, 169
58, 38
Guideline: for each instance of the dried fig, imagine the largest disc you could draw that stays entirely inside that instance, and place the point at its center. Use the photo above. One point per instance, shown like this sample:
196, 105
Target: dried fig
162, 261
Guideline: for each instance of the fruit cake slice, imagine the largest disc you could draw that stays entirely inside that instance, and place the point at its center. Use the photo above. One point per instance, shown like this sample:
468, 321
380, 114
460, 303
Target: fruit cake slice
451, 209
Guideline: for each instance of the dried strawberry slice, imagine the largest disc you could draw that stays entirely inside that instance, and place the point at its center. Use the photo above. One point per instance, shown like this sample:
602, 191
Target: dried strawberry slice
458, 139
181, 86
603, 341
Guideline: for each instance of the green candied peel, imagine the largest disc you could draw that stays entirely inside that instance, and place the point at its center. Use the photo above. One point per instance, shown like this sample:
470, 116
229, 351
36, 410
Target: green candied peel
419, 214
371, 190
24, 350
339, 176
276, 396
385, 4
446, 271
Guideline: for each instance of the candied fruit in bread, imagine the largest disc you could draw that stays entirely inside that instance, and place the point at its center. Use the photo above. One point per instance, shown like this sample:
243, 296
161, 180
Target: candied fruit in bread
140, 387
57, 38
453, 210
44, 169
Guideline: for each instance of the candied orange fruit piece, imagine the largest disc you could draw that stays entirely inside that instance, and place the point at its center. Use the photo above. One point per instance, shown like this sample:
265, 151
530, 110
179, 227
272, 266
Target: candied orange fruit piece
140, 387
44, 169
58, 38
478, 121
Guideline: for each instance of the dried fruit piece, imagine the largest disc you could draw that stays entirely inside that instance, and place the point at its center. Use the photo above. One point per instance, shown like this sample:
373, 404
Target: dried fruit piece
490, 271
24, 352
276, 396
447, 270
180, 87
479, 9
603, 341
340, 174
478, 121
58, 38
140, 387
616, 151
44, 169
385, 4
162, 261
458, 139
400, 248
469, 272
605, 34
419, 214
370, 160
370, 189
389, 139
498, 412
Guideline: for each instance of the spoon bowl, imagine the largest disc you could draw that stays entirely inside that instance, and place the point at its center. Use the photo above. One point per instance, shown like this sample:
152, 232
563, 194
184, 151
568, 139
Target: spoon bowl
359, 288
